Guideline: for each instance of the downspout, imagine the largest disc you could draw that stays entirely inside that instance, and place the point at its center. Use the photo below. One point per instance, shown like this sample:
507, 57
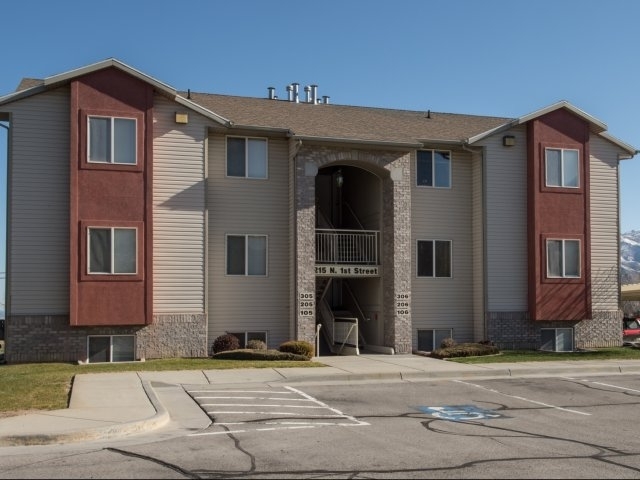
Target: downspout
482, 152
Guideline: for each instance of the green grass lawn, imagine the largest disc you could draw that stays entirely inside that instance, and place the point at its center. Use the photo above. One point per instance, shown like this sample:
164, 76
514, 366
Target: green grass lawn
46, 386
509, 356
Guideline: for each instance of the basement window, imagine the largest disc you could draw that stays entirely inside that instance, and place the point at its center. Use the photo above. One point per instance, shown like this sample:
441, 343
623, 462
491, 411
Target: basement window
244, 337
111, 348
430, 339
556, 339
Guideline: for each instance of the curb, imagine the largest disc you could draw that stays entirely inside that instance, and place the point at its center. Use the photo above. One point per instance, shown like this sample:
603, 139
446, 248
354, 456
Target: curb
158, 420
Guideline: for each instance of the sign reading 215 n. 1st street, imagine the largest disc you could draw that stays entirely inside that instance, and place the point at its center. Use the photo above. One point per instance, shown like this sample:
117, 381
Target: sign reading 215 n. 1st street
348, 270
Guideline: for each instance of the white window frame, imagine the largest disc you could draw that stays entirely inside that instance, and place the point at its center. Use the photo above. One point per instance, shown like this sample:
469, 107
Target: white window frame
433, 335
434, 259
245, 336
246, 254
113, 252
434, 168
564, 257
562, 167
112, 161
246, 158
111, 337
555, 346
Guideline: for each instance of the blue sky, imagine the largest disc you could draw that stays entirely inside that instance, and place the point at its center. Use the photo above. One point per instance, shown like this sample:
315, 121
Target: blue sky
490, 57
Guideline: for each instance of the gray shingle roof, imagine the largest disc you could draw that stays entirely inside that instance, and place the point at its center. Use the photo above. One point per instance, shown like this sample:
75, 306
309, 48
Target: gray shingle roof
347, 122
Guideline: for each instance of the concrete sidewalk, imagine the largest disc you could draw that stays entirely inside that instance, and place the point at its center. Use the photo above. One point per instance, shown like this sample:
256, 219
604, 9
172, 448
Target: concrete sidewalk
110, 405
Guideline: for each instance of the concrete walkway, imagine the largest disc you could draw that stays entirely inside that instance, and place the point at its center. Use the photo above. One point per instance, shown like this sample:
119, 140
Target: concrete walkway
110, 405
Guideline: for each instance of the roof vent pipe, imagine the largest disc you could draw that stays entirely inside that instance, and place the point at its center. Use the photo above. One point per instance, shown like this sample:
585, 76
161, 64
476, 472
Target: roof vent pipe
325, 99
272, 93
290, 92
307, 91
314, 94
296, 90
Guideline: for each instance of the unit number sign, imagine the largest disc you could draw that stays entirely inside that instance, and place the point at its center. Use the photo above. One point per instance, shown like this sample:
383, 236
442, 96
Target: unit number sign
403, 304
306, 304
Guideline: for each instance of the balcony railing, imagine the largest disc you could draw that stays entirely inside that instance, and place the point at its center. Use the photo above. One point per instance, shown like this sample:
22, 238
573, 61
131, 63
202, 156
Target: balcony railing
353, 247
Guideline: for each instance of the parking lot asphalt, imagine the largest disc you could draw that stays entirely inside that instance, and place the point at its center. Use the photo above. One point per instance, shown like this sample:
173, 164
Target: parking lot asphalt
112, 405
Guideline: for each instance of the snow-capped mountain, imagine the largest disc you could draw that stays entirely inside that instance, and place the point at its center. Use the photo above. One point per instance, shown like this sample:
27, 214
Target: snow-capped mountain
630, 257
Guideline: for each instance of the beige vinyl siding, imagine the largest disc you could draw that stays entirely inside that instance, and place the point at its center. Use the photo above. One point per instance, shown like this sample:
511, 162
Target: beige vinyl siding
38, 267
604, 197
477, 225
250, 206
178, 210
444, 214
506, 222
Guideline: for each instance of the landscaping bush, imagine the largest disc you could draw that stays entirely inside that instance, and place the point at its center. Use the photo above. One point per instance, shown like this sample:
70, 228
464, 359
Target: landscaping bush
256, 345
465, 350
298, 347
225, 343
257, 355
448, 343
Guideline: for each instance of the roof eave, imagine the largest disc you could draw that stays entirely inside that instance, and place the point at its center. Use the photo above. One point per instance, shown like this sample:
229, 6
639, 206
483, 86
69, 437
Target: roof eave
203, 111
630, 150
110, 62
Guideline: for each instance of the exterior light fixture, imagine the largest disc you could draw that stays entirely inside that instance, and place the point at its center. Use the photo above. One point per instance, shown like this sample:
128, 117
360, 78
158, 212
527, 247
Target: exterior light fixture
508, 140
339, 179
182, 117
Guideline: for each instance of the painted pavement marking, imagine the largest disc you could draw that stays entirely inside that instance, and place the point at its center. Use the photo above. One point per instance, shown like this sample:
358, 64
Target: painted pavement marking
459, 413
578, 412
255, 413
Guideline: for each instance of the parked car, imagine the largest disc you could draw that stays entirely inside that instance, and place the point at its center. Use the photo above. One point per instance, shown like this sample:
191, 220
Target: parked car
630, 330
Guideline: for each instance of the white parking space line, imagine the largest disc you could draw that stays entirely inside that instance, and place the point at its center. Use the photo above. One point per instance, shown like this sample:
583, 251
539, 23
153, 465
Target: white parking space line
338, 412
627, 389
522, 398
296, 416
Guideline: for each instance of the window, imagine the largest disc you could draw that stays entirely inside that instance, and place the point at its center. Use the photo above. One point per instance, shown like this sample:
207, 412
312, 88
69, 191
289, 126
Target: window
562, 167
112, 140
246, 254
556, 339
244, 337
433, 168
110, 348
246, 157
429, 340
434, 258
563, 258
112, 250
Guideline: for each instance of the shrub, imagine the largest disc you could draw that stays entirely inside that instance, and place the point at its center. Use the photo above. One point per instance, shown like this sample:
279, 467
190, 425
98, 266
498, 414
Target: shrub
299, 347
256, 345
448, 343
257, 355
465, 350
225, 343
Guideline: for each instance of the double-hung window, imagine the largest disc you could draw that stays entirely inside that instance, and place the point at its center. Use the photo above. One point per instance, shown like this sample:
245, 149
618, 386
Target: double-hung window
112, 250
247, 255
563, 258
246, 157
434, 258
433, 168
562, 167
111, 140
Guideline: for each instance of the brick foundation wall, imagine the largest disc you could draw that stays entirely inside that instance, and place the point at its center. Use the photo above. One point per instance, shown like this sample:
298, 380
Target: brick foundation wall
514, 330
604, 330
50, 338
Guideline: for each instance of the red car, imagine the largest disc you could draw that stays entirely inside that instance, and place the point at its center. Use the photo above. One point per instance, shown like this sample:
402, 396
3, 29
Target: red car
630, 330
